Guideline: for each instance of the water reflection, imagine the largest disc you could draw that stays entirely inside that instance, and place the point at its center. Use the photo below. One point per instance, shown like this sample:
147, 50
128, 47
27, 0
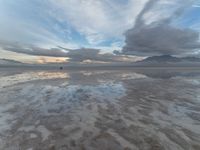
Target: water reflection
16, 78
168, 73
100, 109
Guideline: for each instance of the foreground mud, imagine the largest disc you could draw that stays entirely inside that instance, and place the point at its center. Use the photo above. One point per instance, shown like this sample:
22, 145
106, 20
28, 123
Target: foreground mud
100, 110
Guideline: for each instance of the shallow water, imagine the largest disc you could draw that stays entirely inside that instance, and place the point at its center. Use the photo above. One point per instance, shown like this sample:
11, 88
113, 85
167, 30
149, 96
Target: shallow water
143, 109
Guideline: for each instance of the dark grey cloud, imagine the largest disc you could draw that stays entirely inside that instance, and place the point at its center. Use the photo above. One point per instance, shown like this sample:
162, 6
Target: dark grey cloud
74, 55
33, 50
83, 54
79, 55
160, 37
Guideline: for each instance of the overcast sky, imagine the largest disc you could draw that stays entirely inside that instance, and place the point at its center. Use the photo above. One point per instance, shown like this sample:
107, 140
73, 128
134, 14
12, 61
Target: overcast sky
80, 30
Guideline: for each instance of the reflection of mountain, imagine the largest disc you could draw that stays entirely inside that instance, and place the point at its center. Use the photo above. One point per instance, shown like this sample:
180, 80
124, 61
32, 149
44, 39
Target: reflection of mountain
105, 76
163, 73
167, 60
9, 62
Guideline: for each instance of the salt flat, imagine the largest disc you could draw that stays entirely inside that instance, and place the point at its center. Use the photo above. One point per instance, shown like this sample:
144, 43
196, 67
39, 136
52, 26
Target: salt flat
141, 109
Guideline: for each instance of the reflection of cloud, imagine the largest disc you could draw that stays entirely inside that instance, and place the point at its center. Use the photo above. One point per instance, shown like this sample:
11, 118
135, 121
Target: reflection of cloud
50, 100
10, 80
167, 74
41, 111
62, 97
103, 76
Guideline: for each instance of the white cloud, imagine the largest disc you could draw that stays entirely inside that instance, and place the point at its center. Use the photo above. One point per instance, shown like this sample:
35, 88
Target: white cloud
101, 19
50, 23
196, 6
29, 22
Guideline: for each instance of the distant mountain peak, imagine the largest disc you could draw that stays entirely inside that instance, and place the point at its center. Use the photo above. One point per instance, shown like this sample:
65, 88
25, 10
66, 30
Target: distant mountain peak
168, 60
162, 58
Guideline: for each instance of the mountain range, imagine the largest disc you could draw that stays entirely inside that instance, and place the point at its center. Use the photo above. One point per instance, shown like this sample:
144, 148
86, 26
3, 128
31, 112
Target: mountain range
154, 61
168, 60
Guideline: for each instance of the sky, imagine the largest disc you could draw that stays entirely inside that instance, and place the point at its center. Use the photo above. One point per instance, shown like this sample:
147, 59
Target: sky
42, 31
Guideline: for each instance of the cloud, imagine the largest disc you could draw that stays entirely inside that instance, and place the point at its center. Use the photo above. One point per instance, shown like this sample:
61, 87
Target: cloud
71, 23
31, 22
33, 50
90, 54
160, 37
40, 25
99, 20
198, 6
80, 55
71, 55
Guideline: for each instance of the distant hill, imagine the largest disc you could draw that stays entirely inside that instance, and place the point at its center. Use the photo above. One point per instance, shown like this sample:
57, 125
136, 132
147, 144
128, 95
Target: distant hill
165, 60
154, 61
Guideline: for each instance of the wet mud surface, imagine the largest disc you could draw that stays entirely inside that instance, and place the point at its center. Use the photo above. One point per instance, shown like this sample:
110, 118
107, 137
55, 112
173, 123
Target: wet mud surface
100, 110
